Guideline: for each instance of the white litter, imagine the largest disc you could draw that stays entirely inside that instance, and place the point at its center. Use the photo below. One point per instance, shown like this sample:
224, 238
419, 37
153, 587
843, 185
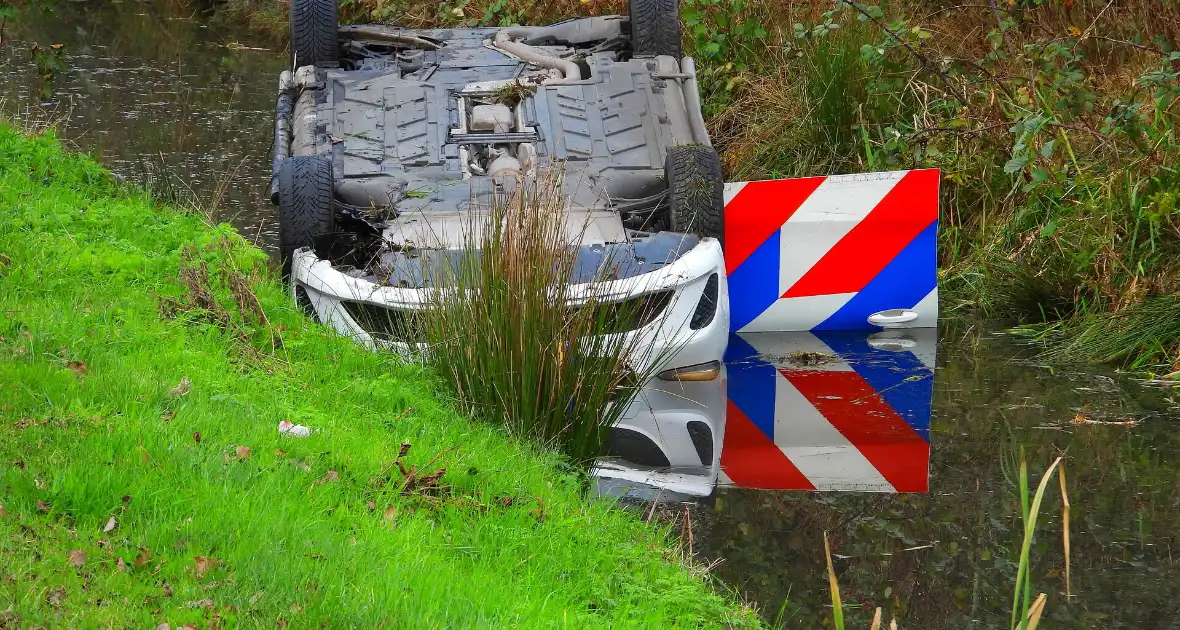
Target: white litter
296, 430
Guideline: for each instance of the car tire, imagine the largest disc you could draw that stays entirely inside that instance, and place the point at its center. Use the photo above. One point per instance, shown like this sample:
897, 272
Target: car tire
655, 27
314, 37
305, 204
696, 191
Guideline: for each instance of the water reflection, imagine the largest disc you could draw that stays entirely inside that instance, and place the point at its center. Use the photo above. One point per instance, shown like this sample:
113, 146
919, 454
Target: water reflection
847, 411
944, 558
159, 94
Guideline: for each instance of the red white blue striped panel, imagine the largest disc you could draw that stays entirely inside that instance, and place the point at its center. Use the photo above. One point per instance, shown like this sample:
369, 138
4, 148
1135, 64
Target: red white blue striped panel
830, 410
825, 253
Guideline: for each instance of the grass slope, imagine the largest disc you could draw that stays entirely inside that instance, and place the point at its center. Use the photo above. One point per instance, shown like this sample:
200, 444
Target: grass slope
322, 531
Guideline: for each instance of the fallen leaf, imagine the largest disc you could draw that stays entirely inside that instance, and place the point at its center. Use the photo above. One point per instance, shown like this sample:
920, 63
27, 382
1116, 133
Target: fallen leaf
125, 498
243, 452
331, 476
201, 603
301, 465
204, 564
120, 564
77, 558
188, 626
168, 415
56, 596
3, 512
197, 437
282, 623
42, 506
163, 626
371, 504
79, 367
183, 387
110, 526
167, 589
143, 557
390, 513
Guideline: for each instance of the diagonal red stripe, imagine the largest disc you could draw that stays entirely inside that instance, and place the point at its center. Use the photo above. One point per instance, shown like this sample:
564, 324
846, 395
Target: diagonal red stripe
910, 207
856, 410
752, 460
759, 210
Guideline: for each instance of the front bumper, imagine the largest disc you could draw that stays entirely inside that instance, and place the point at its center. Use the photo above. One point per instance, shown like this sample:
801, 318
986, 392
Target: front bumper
670, 424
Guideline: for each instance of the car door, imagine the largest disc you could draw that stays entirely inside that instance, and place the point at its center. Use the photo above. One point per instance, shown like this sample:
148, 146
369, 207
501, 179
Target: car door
845, 252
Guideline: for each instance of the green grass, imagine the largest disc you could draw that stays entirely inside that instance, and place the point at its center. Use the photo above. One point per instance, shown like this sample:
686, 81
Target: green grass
316, 531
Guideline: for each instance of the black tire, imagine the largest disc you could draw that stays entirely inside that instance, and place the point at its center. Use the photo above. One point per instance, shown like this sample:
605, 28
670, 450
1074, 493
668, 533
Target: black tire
655, 27
305, 204
696, 191
314, 38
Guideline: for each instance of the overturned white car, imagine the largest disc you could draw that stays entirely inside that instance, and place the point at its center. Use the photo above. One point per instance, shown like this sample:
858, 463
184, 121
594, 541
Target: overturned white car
388, 141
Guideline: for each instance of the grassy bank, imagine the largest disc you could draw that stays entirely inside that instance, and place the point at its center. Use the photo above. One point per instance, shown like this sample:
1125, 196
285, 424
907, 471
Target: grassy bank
147, 361
1055, 123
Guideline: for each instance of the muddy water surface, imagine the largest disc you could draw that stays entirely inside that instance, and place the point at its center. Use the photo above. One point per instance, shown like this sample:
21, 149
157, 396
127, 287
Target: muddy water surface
163, 95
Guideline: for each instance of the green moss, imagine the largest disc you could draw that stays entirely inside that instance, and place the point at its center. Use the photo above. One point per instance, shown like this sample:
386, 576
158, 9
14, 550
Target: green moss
315, 531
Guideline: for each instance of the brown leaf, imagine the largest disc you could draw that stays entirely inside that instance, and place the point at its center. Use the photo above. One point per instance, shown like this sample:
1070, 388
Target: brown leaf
42, 506
301, 465
331, 476
110, 526
168, 415
77, 558
187, 626
167, 589
197, 437
79, 367
282, 624
3, 512
390, 513
143, 557
371, 504
125, 498
243, 452
183, 387
201, 603
56, 596
120, 564
203, 565
163, 625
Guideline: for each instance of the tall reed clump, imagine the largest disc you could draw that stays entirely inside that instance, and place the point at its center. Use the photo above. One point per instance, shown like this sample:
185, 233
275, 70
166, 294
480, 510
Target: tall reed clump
520, 345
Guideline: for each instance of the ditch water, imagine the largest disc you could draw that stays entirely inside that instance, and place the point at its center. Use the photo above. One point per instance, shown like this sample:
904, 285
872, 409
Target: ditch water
160, 92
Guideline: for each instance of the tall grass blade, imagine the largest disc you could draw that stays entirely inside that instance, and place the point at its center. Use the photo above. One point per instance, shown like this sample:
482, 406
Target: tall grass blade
1065, 527
1023, 579
834, 587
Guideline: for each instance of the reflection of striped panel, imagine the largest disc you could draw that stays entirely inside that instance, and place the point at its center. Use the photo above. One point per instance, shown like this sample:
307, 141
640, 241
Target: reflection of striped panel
859, 420
824, 253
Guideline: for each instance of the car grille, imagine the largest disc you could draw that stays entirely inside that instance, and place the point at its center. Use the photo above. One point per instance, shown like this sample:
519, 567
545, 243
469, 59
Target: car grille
386, 324
632, 314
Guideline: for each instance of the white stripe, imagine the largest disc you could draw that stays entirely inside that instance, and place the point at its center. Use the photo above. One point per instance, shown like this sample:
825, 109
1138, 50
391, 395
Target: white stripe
797, 314
732, 189
827, 216
927, 309
777, 349
816, 448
